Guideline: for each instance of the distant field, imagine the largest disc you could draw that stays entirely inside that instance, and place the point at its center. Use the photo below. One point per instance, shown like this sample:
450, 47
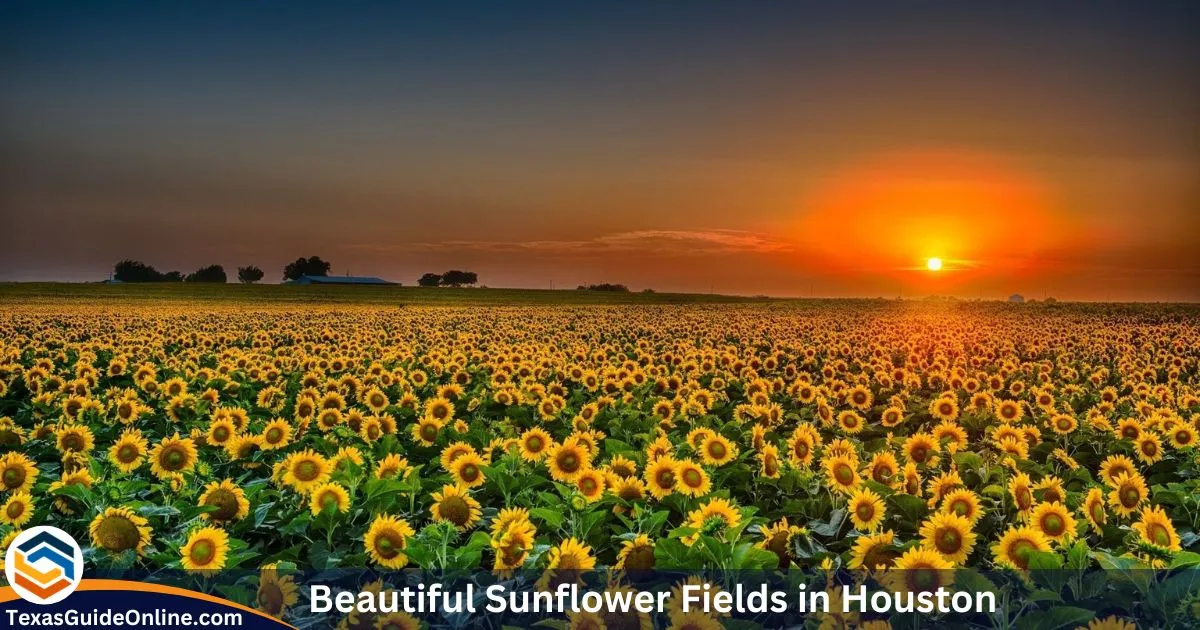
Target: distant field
380, 295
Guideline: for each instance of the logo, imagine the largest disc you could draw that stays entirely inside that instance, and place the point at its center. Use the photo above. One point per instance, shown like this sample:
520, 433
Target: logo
44, 565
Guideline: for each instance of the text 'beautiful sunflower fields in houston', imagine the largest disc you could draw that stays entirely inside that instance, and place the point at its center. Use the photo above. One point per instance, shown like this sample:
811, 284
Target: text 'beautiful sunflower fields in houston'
855, 438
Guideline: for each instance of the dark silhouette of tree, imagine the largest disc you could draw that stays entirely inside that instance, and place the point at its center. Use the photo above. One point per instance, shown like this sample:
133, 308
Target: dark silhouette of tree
211, 273
249, 275
605, 286
430, 280
137, 271
311, 266
456, 278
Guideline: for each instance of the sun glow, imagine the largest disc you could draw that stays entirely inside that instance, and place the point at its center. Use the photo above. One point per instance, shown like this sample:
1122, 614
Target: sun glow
934, 264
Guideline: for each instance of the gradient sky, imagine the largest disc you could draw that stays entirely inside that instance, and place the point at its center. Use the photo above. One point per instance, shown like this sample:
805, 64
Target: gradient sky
1047, 148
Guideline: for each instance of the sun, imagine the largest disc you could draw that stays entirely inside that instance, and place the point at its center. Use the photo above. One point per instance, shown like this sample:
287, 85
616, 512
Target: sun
934, 264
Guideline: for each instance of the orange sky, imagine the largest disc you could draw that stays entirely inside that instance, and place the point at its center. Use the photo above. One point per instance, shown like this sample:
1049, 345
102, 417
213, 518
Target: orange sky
768, 148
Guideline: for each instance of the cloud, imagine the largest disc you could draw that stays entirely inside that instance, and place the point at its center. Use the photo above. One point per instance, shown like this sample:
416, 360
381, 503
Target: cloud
653, 242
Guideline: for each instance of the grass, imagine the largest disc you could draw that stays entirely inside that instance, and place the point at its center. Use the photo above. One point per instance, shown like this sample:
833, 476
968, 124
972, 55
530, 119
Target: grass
371, 295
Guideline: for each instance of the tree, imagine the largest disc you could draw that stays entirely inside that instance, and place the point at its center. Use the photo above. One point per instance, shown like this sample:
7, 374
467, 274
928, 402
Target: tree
605, 286
138, 271
249, 275
211, 273
456, 278
430, 280
311, 266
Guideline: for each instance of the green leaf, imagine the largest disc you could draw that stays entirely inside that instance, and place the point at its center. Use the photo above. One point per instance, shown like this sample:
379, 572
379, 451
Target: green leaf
912, 508
1055, 618
550, 517
1184, 559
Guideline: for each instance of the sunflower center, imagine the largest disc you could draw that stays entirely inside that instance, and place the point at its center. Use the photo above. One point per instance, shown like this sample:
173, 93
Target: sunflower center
1159, 535
919, 453
1024, 498
306, 471
117, 533
923, 578
202, 552
1052, 524
665, 478
1098, 513
865, 511
72, 442
429, 432
220, 434
270, 598
455, 510
640, 558
14, 510
949, 541
716, 450
127, 454
692, 477
534, 443
1150, 448
1022, 550
469, 472
960, 508
844, 474
174, 459
1130, 497
14, 477
226, 503
387, 546
568, 462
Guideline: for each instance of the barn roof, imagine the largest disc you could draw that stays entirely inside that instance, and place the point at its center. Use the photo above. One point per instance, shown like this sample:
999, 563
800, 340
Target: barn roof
342, 280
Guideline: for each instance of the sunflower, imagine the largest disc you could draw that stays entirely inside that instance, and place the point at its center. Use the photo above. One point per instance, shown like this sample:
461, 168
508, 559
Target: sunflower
841, 475
950, 435
276, 434
229, 500
1182, 436
636, 554
512, 545
1108, 623
1093, 510
304, 470
570, 555
205, 550
1129, 429
119, 530
75, 438
129, 451
1017, 545
628, 490
1128, 493
691, 479
1009, 411
171, 456
506, 517
768, 459
453, 505
883, 469
944, 408
622, 466
275, 593
1114, 466
1156, 529
873, 551
1021, 489
964, 503
467, 470
328, 494
891, 416
661, 478
950, 535
866, 509
1063, 423
919, 570
714, 516
850, 422
568, 460
1149, 447
1054, 521
693, 620
453, 452
425, 431
220, 431
386, 541
591, 485
392, 466
17, 510
534, 444
717, 450
920, 447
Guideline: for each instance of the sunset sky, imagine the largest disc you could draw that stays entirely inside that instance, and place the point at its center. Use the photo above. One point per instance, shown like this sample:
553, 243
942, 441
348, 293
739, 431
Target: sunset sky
780, 148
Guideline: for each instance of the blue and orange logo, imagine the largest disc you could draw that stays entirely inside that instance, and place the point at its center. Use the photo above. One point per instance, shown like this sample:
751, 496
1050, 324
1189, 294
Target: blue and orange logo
44, 565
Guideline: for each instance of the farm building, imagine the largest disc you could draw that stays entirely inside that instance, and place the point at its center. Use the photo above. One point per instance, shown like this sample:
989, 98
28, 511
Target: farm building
341, 280
1016, 298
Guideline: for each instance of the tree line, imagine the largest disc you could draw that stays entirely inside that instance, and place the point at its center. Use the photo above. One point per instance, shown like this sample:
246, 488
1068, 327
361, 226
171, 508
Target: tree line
137, 271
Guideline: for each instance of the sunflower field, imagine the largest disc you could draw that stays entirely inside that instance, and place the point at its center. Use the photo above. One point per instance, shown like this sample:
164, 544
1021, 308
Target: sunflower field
852, 438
